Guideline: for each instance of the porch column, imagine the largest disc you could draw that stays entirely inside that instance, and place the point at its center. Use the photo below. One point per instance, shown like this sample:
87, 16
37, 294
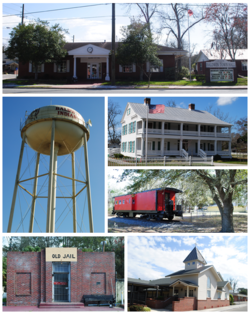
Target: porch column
157, 287
229, 147
143, 126
107, 78
180, 144
173, 290
199, 130
74, 68
162, 127
187, 291
142, 147
215, 130
229, 130
215, 147
181, 129
199, 146
162, 146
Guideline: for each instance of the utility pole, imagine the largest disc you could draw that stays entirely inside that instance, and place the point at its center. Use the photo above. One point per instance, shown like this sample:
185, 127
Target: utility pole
22, 14
113, 46
73, 38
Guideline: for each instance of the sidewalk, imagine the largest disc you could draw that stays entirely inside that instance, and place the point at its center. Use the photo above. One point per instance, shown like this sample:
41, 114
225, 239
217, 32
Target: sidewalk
233, 308
100, 86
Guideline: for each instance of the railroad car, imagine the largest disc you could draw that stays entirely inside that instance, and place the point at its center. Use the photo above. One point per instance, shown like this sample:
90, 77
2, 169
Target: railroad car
152, 204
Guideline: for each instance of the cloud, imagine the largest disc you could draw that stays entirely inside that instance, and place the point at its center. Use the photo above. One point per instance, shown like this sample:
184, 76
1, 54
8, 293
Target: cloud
223, 101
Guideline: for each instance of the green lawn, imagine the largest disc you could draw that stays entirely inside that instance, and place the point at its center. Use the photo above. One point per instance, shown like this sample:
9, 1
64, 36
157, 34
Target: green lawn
233, 162
33, 82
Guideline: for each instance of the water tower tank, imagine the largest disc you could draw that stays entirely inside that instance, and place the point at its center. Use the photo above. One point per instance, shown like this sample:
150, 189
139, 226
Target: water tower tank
69, 129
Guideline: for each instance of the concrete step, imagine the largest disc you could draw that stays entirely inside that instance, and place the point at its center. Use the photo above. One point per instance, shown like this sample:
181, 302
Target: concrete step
61, 304
169, 307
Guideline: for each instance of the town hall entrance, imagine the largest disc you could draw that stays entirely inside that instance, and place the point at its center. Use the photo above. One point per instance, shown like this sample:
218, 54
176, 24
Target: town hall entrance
94, 71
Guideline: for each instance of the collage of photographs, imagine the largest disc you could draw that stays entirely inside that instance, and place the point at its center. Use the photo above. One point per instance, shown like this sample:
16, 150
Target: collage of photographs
124, 156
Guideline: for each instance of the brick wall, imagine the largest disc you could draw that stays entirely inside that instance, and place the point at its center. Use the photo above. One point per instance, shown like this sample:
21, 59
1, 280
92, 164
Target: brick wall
210, 304
238, 68
185, 304
159, 304
29, 277
23, 278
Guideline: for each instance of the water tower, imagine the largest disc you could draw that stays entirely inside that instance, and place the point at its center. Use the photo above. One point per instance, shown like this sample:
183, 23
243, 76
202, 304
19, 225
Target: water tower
53, 131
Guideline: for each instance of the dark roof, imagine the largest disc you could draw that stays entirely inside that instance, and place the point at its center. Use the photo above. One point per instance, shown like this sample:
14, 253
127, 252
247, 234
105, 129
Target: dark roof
186, 281
107, 45
140, 282
195, 254
221, 284
163, 188
189, 271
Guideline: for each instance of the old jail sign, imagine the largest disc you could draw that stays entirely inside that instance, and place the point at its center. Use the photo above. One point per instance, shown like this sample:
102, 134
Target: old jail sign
61, 254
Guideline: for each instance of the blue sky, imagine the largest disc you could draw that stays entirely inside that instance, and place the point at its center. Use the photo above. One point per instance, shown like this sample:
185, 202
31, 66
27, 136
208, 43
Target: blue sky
90, 108
153, 257
235, 106
94, 23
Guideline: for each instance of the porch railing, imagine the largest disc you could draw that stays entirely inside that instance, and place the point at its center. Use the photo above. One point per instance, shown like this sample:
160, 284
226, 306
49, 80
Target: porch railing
202, 154
184, 154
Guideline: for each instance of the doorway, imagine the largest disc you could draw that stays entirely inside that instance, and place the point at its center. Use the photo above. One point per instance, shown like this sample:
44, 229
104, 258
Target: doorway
61, 282
94, 71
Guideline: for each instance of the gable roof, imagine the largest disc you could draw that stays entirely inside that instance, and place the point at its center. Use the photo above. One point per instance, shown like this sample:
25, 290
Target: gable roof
108, 45
177, 115
186, 282
241, 54
195, 254
189, 271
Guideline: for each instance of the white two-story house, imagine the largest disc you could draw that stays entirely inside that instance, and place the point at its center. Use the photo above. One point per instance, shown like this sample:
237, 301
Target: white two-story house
196, 287
176, 132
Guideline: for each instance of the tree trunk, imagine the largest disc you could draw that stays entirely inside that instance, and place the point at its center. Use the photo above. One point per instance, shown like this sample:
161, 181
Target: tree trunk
141, 74
227, 218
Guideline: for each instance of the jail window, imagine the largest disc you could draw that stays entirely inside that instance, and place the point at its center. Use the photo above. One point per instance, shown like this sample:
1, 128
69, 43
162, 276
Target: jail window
98, 283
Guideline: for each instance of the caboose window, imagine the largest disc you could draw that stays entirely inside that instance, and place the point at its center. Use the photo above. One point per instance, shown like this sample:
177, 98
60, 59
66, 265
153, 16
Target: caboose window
116, 202
120, 202
129, 201
123, 202
133, 201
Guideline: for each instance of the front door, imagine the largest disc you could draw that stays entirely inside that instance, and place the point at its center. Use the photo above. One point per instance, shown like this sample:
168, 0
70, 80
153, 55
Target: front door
94, 71
61, 287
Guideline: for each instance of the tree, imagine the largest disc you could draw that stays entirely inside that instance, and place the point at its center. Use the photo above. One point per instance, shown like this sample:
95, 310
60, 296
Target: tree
233, 282
223, 185
113, 112
137, 47
218, 113
37, 43
230, 27
174, 20
171, 103
242, 291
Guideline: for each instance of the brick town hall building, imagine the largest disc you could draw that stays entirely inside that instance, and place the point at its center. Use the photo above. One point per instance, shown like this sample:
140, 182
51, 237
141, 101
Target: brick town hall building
60, 275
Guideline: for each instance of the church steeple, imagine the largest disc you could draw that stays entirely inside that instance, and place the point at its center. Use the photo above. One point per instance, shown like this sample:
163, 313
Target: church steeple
194, 259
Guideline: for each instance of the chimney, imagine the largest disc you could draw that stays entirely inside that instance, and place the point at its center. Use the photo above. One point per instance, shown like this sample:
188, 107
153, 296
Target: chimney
191, 106
147, 101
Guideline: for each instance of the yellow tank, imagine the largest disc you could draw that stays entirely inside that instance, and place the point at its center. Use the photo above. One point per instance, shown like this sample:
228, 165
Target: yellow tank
69, 129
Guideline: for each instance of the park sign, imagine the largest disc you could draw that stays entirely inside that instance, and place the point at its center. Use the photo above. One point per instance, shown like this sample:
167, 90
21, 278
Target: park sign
221, 64
221, 75
66, 254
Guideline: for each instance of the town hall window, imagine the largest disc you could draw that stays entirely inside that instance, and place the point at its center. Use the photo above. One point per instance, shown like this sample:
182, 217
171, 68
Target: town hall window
127, 68
244, 65
61, 67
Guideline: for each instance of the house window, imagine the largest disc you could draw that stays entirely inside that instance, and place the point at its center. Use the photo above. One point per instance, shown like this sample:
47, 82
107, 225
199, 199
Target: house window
201, 66
225, 296
127, 68
191, 293
61, 67
39, 68
134, 127
168, 145
159, 145
188, 264
150, 125
244, 65
153, 145
219, 295
208, 287
193, 263
154, 68
128, 112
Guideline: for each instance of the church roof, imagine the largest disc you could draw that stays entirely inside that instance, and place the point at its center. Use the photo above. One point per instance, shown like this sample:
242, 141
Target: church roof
195, 254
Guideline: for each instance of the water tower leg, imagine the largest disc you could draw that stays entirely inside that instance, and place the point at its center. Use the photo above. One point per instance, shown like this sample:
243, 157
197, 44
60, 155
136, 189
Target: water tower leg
16, 185
74, 192
32, 215
91, 228
53, 210
51, 164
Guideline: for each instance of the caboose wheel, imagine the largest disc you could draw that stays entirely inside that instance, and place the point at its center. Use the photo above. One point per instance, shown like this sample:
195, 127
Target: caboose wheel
170, 218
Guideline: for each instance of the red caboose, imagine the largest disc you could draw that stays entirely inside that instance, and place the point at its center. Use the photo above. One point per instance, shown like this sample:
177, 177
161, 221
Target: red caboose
157, 203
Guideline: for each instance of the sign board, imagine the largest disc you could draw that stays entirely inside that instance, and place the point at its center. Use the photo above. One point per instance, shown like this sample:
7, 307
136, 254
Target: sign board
221, 75
221, 64
65, 254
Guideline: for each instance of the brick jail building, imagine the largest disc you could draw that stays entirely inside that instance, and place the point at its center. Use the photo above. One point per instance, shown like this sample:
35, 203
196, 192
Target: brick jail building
59, 275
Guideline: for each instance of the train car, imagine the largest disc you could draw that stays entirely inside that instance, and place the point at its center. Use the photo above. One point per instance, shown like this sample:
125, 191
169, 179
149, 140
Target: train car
152, 204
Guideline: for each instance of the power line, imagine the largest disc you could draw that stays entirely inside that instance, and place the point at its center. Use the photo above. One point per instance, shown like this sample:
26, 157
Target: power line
83, 6
5, 6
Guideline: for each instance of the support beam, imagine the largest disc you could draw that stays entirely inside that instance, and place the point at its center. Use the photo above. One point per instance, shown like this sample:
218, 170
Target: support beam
53, 208
51, 166
74, 67
91, 227
32, 214
74, 192
16, 184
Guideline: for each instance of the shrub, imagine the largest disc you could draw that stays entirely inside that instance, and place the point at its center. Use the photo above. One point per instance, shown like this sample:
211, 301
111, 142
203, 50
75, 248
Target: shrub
231, 299
118, 155
217, 157
200, 77
160, 297
138, 308
184, 72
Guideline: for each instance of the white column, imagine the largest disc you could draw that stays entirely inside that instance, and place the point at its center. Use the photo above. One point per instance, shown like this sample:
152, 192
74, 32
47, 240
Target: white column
74, 68
229, 130
215, 130
180, 144
73, 192
173, 290
162, 127
199, 130
187, 291
107, 78
229, 147
181, 129
162, 146
143, 126
215, 147
32, 214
